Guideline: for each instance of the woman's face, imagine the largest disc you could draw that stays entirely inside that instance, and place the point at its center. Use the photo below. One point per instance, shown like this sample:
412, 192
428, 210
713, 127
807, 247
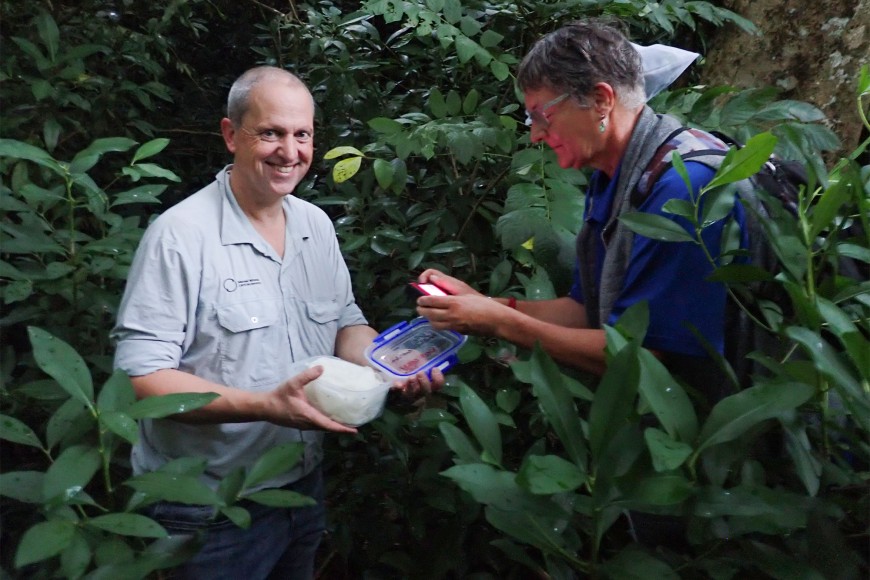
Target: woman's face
571, 130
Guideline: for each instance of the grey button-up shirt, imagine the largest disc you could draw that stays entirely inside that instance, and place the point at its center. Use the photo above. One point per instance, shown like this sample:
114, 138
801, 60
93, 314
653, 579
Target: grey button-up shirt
207, 295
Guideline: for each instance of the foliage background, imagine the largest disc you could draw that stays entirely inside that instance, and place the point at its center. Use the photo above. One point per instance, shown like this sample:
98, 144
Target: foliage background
444, 177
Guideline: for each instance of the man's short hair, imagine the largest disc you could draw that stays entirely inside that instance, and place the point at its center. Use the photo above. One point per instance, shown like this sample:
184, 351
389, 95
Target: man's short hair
238, 99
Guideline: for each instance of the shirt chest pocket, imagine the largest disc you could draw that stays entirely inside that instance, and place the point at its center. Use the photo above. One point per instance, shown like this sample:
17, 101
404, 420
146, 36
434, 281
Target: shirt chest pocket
249, 344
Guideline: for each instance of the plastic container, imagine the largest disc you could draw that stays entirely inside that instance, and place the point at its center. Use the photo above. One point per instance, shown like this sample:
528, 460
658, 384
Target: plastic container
347, 392
407, 348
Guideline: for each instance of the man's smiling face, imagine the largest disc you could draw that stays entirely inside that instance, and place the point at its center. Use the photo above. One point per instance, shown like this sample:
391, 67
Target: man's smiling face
274, 144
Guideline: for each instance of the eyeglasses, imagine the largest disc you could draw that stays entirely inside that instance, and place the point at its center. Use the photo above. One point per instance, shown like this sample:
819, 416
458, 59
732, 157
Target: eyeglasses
537, 115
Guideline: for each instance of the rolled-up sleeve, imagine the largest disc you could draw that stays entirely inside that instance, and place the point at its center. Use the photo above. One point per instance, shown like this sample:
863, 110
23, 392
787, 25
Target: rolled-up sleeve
155, 312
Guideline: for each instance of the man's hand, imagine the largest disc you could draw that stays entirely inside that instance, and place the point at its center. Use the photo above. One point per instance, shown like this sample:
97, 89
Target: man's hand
288, 406
467, 314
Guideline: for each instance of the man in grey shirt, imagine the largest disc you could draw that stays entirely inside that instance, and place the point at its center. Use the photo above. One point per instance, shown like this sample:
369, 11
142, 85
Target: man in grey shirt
229, 289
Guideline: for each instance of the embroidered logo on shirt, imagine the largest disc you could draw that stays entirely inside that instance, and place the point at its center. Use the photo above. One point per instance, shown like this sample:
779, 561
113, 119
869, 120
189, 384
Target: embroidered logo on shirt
230, 285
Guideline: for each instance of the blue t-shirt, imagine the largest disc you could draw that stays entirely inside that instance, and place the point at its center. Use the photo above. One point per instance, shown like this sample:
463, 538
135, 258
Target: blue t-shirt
671, 276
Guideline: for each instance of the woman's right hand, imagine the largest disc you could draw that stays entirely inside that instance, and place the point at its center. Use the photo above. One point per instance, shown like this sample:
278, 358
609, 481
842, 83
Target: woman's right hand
450, 284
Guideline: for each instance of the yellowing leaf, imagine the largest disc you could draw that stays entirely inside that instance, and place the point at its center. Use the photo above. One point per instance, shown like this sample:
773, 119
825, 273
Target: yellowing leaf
529, 244
346, 168
343, 150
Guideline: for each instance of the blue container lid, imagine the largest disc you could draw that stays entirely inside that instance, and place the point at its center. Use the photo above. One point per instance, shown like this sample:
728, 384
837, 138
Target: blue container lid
407, 348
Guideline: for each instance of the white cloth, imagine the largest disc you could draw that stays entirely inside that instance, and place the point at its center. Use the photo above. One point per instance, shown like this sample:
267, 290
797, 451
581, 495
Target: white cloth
662, 65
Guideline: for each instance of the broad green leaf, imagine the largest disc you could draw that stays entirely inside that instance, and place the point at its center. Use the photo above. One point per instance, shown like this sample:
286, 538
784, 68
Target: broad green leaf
655, 227
469, 104
24, 486
43, 541
71, 472
716, 205
21, 150
90, 155
528, 527
14, 430
655, 490
71, 418
383, 173
346, 168
666, 398
48, 34
481, 421
498, 488
166, 405
742, 163
558, 405
385, 126
734, 415
797, 444
490, 38
446, 247
117, 393
149, 149
238, 515
274, 462
507, 399
51, 130
123, 524
58, 360
499, 70
140, 170
465, 48
74, 560
176, 487
549, 474
437, 104
633, 563
121, 424
281, 498
667, 454
614, 398
833, 198
459, 443
343, 150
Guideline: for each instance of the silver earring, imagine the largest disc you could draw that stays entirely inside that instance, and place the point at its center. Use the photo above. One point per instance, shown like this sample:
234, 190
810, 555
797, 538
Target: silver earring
602, 125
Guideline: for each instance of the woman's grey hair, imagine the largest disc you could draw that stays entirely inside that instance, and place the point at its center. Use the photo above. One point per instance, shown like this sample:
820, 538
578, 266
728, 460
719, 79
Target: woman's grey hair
574, 58
238, 99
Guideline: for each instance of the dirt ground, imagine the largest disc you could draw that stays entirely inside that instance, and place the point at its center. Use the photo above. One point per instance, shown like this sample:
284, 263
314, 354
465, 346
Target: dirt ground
811, 50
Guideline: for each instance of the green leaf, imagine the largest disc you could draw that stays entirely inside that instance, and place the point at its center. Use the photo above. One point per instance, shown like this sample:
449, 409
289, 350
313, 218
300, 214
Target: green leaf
48, 34
655, 227
274, 462
490, 38
20, 150
558, 405
667, 454
343, 150
549, 474
465, 48
43, 541
58, 360
655, 490
481, 421
614, 398
12, 429
498, 488
121, 424
123, 524
383, 173
71, 472
837, 194
385, 126
459, 443
117, 393
24, 486
528, 527
280, 498
437, 104
238, 515
149, 149
666, 398
346, 168
166, 405
178, 487
734, 415
446, 247
633, 563
140, 170
89, 156
742, 163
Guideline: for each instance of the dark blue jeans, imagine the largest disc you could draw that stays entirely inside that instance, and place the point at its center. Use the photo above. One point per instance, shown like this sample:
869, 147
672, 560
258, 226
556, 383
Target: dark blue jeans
281, 543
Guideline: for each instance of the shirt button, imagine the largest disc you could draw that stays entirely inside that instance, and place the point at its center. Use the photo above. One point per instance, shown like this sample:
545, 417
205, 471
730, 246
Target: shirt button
254, 319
